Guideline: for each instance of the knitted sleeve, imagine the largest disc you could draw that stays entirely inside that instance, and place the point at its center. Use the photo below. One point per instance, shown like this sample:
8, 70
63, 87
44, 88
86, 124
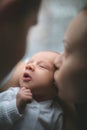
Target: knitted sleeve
8, 110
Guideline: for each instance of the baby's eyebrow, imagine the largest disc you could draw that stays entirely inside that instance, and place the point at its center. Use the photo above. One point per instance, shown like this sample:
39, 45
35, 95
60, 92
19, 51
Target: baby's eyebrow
46, 63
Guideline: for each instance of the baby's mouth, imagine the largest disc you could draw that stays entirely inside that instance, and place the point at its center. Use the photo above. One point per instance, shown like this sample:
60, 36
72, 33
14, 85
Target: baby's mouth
27, 77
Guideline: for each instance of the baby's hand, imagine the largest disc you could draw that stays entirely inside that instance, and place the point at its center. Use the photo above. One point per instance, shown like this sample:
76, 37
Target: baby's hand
24, 97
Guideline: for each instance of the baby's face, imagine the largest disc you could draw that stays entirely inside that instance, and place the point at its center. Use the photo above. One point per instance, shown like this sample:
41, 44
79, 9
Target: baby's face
39, 73
72, 64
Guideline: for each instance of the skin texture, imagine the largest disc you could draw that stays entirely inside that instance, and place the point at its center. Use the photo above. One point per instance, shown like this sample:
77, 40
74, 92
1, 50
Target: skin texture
16, 17
71, 75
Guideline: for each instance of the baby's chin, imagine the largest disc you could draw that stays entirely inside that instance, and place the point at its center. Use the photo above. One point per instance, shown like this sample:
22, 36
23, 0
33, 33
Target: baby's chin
21, 84
26, 86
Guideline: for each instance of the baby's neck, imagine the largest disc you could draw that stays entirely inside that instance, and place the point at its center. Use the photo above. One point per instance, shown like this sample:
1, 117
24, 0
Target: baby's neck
43, 98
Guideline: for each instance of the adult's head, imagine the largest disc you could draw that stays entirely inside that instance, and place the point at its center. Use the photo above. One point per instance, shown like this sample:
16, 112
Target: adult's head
16, 17
71, 76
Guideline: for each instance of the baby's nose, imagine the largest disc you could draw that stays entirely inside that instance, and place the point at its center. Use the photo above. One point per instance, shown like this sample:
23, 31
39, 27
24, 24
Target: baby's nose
30, 67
